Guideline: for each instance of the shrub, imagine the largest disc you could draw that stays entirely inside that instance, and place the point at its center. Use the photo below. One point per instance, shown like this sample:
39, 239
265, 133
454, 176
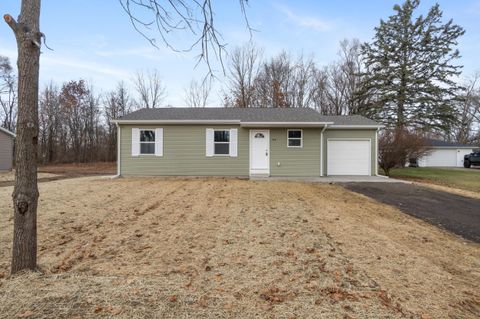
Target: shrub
396, 146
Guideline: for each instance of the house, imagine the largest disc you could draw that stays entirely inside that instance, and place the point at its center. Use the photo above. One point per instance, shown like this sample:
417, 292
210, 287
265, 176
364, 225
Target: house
444, 154
6, 149
245, 142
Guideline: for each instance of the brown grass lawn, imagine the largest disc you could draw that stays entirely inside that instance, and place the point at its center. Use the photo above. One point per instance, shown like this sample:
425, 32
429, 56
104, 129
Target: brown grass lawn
227, 248
96, 168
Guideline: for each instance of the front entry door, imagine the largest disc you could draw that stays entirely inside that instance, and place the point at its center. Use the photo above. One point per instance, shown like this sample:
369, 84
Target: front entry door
260, 152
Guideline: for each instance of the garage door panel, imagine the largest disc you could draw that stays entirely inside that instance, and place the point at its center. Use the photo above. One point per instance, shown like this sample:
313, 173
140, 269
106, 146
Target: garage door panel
348, 157
440, 157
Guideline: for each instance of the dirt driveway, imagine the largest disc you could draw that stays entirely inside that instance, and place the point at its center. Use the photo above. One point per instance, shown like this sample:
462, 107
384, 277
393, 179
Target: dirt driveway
458, 214
228, 248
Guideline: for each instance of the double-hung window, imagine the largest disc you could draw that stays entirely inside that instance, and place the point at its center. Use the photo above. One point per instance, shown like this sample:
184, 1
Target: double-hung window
147, 142
221, 142
294, 138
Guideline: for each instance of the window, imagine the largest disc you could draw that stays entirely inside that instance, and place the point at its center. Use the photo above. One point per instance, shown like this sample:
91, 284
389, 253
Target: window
147, 142
294, 138
259, 135
221, 142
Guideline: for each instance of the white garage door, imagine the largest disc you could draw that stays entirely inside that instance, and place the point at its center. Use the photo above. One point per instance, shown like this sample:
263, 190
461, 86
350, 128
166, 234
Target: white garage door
442, 158
348, 157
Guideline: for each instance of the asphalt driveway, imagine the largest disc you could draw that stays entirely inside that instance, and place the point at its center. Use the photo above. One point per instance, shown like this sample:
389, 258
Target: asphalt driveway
458, 214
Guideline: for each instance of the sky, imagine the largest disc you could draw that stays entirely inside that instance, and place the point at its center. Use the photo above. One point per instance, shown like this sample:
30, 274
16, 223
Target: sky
94, 39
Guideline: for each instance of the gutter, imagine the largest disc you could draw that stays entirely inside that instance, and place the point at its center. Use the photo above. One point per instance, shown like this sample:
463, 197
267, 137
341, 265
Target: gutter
4, 130
225, 122
176, 122
366, 127
284, 124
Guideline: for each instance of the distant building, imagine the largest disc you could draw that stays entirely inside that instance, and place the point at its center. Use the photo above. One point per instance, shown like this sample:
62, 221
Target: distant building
6, 149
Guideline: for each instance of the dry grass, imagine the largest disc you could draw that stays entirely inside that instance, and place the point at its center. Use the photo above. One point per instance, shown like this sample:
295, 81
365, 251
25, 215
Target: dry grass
226, 248
96, 168
456, 191
10, 176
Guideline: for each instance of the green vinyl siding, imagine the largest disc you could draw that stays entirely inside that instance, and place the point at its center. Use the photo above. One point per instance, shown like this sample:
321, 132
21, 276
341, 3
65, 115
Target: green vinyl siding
183, 153
295, 161
350, 134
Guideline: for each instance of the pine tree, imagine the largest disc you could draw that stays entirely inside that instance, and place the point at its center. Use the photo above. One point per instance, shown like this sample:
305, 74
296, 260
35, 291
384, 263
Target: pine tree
410, 69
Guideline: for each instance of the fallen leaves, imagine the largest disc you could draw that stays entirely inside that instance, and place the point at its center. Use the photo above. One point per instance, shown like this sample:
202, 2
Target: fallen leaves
26, 314
337, 294
276, 295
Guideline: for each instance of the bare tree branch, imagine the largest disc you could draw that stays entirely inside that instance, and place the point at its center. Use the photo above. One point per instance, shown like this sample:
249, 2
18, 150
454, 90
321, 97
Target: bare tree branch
196, 95
150, 89
193, 16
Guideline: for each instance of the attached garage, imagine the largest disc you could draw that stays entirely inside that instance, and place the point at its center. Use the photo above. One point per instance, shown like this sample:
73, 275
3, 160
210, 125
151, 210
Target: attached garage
349, 156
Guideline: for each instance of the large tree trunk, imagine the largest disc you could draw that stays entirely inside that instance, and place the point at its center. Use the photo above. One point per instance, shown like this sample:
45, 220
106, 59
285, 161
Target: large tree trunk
25, 193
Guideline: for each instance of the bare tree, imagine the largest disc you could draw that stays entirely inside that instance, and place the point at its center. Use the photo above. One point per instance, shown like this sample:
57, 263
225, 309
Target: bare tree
468, 108
8, 94
337, 84
51, 133
242, 71
274, 82
25, 193
301, 94
116, 104
396, 146
196, 95
284, 81
150, 89
319, 91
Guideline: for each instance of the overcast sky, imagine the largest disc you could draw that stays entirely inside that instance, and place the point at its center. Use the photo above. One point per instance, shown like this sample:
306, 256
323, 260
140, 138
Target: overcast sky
94, 39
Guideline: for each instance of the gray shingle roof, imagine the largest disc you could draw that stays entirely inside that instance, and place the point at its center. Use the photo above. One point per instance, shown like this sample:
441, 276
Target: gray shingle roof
440, 143
244, 115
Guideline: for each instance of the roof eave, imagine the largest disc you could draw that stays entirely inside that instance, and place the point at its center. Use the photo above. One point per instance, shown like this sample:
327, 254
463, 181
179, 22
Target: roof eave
4, 130
454, 147
146, 122
285, 124
365, 127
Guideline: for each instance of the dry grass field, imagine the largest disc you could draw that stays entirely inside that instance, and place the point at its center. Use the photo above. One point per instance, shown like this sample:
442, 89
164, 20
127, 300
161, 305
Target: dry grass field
228, 248
10, 176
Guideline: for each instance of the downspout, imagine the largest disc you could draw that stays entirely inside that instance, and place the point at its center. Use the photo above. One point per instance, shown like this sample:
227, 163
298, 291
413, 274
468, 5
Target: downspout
118, 151
321, 149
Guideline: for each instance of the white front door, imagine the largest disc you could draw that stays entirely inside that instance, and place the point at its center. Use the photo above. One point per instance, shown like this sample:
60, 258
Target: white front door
260, 152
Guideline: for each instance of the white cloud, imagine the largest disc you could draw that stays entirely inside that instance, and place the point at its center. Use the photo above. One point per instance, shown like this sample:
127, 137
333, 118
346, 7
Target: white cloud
305, 21
150, 53
83, 65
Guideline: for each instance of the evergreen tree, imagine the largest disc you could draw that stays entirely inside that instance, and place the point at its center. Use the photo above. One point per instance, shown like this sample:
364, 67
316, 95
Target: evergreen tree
410, 69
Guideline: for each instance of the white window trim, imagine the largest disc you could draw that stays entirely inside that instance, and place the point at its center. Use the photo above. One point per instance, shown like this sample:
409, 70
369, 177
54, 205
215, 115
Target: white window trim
228, 143
140, 142
295, 138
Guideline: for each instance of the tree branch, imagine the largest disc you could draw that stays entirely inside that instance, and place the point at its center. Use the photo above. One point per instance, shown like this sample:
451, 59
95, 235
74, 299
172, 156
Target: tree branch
11, 22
